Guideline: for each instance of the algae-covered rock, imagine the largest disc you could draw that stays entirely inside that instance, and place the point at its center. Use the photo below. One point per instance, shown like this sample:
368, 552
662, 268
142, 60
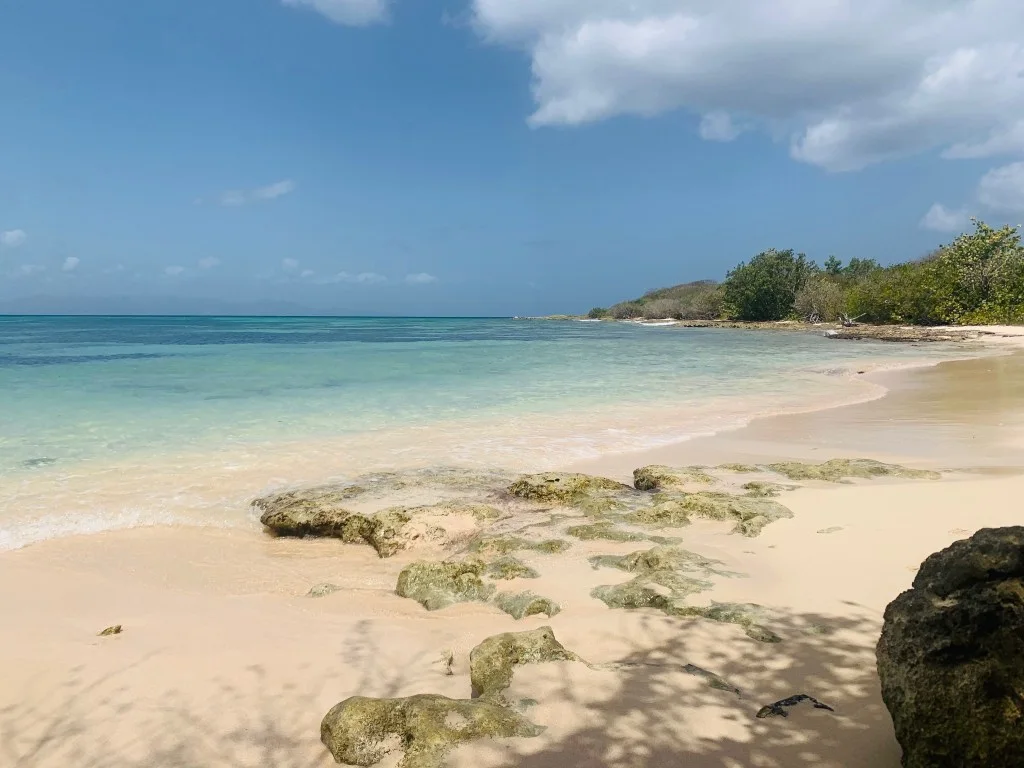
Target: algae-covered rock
750, 515
595, 495
840, 470
507, 568
503, 545
117, 629
761, 490
436, 585
656, 559
741, 469
385, 531
312, 512
522, 604
323, 590
605, 531
745, 615
636, 593
492, 663
951, 656
658, 477
363, 731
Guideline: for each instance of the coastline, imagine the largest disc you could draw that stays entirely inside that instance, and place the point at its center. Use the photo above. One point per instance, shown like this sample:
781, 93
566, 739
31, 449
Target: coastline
265, 662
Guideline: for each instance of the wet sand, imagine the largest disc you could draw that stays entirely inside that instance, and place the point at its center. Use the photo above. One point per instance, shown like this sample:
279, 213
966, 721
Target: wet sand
224, 661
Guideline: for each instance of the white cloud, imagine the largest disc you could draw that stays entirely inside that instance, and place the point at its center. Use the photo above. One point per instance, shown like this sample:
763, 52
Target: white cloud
306, 273
1002, 189
420, 278
26, 270
209, 262
70, 264
12, 238
173, 271
234, 198
850, 82
289, 265
366, 278
356, 13
941, 219
718, 126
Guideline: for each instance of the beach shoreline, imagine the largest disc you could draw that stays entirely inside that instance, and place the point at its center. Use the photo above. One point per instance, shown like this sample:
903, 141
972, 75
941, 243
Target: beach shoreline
224, 660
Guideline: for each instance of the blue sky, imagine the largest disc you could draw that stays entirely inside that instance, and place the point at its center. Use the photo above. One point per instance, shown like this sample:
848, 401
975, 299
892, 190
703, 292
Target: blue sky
486, 156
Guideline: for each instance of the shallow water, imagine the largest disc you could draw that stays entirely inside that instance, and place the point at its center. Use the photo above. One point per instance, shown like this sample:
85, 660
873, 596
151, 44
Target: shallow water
117, 422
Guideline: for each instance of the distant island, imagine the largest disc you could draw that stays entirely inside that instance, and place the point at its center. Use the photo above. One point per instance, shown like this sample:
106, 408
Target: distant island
978, 279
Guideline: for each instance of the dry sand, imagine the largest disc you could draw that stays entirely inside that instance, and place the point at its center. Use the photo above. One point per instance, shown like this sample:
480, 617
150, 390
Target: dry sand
225, 662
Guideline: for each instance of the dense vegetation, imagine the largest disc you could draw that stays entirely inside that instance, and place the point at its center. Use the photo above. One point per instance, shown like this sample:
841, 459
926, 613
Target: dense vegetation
978, 278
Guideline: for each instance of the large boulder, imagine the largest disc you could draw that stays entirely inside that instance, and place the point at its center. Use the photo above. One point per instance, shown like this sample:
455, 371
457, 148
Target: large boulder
951, 656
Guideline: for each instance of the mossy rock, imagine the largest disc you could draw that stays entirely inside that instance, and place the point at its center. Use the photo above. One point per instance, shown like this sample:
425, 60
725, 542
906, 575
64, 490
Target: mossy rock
482, 513
436, 585
745, 615
636, 593
741, 469
117, 629
595, 494
522, 604
313, 512
385, 531
507, 568
750, 515
363, 731
841, 470
659, 477
656, 559
762, 490
503, 545
491, 664
323, 590
603, 531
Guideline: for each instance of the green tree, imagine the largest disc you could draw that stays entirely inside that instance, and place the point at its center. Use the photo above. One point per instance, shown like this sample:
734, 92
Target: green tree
833, 266
597, 313
765, 288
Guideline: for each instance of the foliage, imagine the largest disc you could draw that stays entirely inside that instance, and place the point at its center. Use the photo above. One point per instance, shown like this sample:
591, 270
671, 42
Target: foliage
765, 288
978, 278
597, 313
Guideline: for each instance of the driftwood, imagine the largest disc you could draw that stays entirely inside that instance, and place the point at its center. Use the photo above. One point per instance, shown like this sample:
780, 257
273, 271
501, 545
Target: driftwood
849, 322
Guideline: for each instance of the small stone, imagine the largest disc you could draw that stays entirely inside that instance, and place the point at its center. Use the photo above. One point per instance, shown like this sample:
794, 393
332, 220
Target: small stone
778, 709
323, 590
114, 630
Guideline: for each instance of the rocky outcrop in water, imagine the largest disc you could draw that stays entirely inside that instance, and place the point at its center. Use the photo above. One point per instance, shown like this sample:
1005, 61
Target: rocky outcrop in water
951, 656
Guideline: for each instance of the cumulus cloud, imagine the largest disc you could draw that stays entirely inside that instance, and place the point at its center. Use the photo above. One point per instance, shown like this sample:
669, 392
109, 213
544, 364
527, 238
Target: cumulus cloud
234, 198
173, 271
355, 13
420, 278
1002, 189
366, 278
70, 264
941, 219
850, 82
12, 238
209, 262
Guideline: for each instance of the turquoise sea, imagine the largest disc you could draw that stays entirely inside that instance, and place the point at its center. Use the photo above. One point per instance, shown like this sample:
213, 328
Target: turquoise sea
110, 422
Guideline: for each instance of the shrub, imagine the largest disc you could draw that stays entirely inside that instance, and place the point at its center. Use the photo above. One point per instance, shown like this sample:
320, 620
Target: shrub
821, 299
627, 310
766, 287
661, 309
597, 313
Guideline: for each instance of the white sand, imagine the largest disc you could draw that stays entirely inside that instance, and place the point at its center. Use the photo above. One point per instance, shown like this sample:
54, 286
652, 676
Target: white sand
224, 662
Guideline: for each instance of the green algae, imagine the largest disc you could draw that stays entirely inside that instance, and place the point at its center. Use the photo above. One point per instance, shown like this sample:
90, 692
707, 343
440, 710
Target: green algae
592, 495
604, 531
662, 558
117, 629
503, 545
750, 514
519, 605
841, 470
507, 568
761, 490
741, 469
492, 663
658, 477
363, 731
436, 585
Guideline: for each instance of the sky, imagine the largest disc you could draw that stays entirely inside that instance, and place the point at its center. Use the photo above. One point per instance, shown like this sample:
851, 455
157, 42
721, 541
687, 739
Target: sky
485, 157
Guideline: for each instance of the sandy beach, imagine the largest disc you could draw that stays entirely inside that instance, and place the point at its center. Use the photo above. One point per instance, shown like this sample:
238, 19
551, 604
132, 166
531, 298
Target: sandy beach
225, 661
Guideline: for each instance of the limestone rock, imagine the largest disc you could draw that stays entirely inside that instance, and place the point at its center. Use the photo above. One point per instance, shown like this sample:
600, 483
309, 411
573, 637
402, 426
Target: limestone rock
507, 568
363, 731
312, 512
523, 604
492, 663
323, 590
503, 545
109, 631
951, 656
436, 585
839, 470
750, 514
594, 495
658, 477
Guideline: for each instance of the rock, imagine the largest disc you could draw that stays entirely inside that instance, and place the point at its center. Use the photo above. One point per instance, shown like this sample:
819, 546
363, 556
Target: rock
713, 680
595, 495
507, 568
312, 512
742, 469
657, 559
602, 531
633, 594
778, 709
750, 515
437, 585
502, 545
492, 663
833, 529
839, 470
117, 629
323, 590
761, 490
951, 655
523, 604
363, 731
745, 615
658, 477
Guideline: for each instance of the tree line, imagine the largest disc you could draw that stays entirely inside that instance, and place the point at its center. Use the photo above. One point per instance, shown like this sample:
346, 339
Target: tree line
976, 279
